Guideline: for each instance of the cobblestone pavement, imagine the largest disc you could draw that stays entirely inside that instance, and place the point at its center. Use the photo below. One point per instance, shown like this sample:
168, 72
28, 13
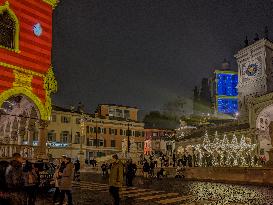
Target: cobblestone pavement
172, 191
93, 190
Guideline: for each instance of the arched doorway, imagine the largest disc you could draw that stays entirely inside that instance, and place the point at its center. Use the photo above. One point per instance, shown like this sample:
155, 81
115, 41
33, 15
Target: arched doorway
264, 126
19, 127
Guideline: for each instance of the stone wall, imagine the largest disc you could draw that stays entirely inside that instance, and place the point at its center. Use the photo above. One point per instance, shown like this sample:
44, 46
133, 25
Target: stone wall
236, 175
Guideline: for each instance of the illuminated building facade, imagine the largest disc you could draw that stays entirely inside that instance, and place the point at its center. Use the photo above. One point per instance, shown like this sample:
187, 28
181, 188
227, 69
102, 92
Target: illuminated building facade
255, 89
226, 92
26, 74
103, 135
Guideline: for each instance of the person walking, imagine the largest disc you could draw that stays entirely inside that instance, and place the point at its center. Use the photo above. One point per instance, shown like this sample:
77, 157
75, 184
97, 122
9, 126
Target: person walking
66, 181
15, 180
103, 169
146, 169
77, 166
130, 172
116, 179
30, 183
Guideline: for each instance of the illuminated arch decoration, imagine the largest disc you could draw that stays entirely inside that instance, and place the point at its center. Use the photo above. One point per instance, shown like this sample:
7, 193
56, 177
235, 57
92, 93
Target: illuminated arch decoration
50, 86
24, 91
6, 7
53, 3
20, 75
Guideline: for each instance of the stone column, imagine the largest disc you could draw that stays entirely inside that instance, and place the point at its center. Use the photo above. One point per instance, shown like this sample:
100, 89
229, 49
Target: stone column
10, 150
29, 138
19, 137
6, 151
41, 152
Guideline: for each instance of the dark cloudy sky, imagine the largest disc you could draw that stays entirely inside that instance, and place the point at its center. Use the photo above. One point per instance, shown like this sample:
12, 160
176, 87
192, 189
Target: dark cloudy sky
146, 52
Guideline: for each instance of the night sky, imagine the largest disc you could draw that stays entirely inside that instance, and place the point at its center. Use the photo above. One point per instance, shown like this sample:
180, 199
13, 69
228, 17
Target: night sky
144, 53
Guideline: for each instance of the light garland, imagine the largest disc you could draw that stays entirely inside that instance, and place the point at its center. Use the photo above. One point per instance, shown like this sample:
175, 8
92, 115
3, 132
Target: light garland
225, 153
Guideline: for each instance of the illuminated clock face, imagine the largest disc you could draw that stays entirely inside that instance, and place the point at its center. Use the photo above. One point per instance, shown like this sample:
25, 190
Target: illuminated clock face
251, 70
37, 29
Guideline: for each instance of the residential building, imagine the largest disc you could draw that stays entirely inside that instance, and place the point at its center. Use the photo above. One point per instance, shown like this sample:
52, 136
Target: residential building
63, 132
119, 112
103, 132
105, 136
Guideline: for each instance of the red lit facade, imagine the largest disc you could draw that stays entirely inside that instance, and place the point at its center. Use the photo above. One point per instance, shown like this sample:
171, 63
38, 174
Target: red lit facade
26, 65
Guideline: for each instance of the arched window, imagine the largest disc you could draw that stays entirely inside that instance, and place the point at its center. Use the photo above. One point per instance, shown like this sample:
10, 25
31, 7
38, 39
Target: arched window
9, 28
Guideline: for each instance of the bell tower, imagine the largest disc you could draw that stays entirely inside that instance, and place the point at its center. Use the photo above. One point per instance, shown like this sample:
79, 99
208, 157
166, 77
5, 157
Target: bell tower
255, 73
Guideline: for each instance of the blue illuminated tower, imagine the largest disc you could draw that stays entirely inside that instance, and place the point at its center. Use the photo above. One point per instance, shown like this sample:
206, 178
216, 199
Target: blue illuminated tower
226, 98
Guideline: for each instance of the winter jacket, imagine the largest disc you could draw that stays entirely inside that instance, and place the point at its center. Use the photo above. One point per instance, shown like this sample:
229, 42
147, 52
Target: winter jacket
67, 177
116, 174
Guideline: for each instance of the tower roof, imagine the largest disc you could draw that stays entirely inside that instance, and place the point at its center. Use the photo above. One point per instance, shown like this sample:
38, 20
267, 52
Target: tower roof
225, 65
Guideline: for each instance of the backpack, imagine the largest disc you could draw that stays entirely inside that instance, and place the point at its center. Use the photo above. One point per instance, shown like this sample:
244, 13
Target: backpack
3, 168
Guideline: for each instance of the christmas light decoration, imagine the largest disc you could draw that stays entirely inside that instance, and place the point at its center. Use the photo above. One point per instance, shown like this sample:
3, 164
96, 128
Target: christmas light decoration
224, 152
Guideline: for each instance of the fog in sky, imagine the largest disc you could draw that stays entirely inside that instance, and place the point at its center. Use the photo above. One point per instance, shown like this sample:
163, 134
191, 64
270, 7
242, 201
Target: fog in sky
144, 53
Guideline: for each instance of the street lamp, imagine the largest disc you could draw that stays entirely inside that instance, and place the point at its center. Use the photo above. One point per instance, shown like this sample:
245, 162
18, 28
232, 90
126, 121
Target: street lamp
81, 153
128, 137
97, 134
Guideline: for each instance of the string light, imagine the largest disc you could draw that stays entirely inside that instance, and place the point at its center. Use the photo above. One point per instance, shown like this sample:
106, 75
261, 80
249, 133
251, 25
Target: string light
227, 92
225, 153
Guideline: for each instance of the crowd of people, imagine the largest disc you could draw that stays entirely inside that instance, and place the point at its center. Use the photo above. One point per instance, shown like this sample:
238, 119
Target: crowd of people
20, 181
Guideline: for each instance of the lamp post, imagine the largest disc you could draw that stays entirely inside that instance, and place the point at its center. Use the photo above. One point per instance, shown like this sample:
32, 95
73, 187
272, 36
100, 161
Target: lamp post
128, 137
96, 134
81, 153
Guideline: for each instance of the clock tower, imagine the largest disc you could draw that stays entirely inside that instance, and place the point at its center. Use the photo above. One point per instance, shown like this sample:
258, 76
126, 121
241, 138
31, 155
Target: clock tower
255, 73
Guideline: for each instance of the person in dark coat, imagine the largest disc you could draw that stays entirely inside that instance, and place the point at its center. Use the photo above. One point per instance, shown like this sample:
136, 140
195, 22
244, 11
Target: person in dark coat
130, 173
77, 167
15, 180
30, 183
146, 169
103, 169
